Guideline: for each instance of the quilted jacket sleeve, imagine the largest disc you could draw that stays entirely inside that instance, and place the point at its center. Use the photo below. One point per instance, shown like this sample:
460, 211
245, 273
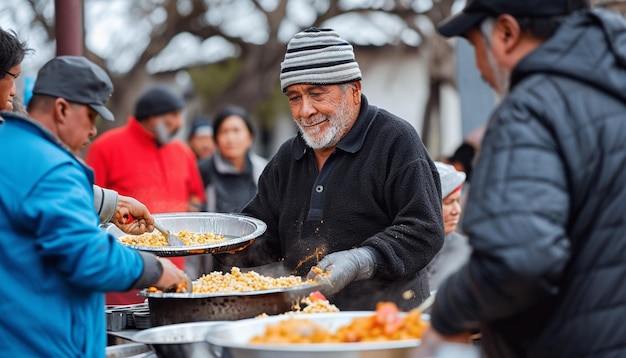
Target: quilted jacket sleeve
515, 218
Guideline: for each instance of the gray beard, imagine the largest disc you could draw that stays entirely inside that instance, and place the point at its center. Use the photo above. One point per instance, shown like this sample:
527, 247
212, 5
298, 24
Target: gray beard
339, 122
501, 76
162, 135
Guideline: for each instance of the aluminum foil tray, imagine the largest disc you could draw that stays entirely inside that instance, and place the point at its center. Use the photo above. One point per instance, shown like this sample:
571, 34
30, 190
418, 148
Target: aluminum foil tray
238, 230
232, 339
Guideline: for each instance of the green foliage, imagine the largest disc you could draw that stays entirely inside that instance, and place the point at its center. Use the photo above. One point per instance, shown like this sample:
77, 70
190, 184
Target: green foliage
211, 80
267, 111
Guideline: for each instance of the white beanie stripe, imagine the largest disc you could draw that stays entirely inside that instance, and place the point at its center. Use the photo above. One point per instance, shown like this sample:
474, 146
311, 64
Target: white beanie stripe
318, 56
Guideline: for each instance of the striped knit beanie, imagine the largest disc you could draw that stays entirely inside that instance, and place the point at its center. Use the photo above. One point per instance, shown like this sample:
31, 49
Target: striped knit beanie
320, 57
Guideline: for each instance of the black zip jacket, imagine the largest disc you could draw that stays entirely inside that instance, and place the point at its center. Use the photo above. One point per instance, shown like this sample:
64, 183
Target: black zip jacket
380, 189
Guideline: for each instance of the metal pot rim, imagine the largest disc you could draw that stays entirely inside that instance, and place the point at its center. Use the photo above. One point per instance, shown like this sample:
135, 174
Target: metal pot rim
305, 287
155, 335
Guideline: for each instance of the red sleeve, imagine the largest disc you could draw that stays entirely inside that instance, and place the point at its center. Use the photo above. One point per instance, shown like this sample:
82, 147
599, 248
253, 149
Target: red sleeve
96, 158
196, 186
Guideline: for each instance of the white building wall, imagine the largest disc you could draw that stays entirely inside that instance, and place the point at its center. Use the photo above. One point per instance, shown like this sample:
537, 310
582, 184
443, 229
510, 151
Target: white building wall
398, 84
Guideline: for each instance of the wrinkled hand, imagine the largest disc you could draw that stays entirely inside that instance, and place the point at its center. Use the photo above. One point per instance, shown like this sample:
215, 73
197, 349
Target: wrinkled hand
172, 277
434, 344
132, 217
338, 269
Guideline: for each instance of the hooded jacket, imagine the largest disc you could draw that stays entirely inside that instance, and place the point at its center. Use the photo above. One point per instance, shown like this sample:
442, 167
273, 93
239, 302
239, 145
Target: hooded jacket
545, 215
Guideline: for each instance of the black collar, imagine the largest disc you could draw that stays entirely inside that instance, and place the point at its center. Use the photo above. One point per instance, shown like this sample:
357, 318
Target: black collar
353, 140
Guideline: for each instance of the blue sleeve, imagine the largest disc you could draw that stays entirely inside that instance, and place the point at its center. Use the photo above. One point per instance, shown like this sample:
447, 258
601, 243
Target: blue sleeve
60, 208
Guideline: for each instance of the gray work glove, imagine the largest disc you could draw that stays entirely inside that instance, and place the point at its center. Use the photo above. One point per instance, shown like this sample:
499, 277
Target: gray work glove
338, 269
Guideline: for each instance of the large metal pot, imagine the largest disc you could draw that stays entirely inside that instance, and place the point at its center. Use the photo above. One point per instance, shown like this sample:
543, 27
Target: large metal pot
185, 340
231, 340
169, 308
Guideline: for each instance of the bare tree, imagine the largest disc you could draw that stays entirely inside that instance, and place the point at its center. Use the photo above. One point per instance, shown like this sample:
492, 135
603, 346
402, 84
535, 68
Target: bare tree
259, 67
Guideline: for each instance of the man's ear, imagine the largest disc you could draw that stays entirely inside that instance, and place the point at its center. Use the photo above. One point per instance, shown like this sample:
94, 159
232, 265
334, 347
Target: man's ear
508, 32
61, 106
356, 92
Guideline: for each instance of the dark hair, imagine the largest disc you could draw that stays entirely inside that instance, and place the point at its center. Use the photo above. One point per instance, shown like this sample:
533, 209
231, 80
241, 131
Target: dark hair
545, 27
231, 111
465, 155
39, 101
12, 51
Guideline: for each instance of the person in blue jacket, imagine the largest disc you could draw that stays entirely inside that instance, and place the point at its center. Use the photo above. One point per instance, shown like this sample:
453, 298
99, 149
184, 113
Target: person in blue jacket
55, 263
110, 206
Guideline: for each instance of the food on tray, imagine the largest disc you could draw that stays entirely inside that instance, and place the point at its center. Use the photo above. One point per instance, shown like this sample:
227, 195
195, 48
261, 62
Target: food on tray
315, 303
157, 239
237, 281
385, 325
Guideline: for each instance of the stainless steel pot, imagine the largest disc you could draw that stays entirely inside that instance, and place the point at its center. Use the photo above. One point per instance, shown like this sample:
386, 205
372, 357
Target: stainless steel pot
170, 308
185, 340
127, 350
231, 340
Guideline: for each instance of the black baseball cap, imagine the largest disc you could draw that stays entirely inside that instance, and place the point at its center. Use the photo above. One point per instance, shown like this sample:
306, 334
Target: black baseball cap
77, 80
476, 11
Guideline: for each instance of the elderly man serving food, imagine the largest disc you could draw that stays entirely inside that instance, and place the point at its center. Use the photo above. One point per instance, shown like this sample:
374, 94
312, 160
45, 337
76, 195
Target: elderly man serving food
353, 201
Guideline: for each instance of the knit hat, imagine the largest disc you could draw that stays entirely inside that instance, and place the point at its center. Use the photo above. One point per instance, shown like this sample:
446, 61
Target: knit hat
320, 57
157, 100
451, 179
200, 126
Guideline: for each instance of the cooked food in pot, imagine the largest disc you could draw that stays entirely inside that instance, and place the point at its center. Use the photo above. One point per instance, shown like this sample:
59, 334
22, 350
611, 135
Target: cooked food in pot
237, 281
157, 239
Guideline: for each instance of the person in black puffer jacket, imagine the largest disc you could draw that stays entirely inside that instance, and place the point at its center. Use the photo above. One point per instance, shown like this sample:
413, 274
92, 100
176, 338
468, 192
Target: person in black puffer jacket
545, 215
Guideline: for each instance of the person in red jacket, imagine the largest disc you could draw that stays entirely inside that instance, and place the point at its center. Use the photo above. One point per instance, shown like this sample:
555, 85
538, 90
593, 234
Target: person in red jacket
141, 159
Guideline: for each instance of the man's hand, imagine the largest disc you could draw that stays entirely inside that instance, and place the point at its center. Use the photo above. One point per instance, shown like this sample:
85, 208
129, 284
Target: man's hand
132, 217
338, 269
172, 276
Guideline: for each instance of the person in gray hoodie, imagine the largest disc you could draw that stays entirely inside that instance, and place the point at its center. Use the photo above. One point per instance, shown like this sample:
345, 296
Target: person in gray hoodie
545, 214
